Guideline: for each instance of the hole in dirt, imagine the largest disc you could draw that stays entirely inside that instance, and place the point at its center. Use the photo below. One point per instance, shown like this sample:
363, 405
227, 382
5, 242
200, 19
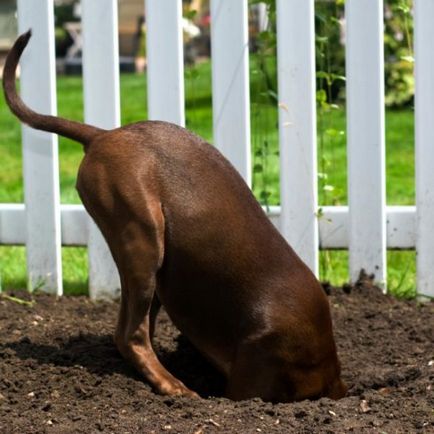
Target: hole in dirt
187, 364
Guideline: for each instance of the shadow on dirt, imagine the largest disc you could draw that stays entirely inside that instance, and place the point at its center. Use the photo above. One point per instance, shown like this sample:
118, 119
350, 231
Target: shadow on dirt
99, 355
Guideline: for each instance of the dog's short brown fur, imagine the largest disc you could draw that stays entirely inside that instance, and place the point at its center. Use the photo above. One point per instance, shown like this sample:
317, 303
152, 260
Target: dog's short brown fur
186, 232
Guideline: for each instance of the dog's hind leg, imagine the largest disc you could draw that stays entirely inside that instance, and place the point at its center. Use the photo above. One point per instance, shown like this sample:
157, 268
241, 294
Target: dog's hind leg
139, 253
131, 219
137, 245
155, 309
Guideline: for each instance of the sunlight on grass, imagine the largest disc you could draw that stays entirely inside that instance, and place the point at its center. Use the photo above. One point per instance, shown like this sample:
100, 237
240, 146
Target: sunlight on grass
401, 273
75, 270
74, 263
13, 267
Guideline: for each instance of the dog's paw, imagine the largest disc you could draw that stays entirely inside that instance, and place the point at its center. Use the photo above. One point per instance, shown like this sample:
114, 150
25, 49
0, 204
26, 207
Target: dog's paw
175, 388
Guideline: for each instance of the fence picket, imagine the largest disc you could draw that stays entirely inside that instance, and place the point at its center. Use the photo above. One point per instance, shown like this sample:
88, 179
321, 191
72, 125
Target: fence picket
102, 108
366, 142
424, 70
297, 127
165, 61
230, 82
40, 152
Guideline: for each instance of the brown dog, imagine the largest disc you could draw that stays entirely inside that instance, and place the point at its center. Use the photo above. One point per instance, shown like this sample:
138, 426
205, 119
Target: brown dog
186, 232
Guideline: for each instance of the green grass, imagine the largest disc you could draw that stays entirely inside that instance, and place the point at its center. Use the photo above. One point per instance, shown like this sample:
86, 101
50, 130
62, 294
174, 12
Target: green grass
331, 163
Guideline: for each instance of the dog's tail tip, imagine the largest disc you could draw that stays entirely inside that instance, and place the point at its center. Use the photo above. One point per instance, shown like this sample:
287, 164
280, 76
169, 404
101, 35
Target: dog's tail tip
23, 39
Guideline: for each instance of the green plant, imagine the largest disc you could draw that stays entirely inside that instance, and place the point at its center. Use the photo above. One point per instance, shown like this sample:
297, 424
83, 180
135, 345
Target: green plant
398, 50
263, 98
329, 83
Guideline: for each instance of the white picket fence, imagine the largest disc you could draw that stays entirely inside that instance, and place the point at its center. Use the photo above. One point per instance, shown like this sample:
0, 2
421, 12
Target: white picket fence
367, 227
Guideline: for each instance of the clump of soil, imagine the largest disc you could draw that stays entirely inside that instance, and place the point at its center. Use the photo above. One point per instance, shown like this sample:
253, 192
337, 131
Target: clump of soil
60, 373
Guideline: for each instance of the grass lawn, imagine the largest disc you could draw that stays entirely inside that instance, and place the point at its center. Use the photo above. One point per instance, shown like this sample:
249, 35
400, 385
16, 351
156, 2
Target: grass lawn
331, 163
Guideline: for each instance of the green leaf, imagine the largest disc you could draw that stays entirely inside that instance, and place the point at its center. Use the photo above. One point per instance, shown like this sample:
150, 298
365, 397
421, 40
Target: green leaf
337, 77
190, 14
322, 39
273, 94
409, 59
332, 132
18, 300
321, 96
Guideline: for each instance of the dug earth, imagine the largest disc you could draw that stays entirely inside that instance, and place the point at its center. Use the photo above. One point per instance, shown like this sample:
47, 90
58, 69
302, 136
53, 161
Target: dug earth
60, 372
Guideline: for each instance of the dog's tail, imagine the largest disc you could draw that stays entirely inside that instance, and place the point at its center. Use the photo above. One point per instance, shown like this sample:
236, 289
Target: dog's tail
74, 130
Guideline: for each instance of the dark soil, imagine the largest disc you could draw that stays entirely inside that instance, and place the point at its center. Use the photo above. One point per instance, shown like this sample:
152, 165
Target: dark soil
61, 373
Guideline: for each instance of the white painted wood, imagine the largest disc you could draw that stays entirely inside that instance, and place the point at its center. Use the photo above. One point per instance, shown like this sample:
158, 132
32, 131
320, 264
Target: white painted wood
333, 226
102, 108
401, 227
230, 83
424, 70
104, 281
400, 220
40, 155
13, 224
262, 16
297, 127
75, 225
165, 61
366, 142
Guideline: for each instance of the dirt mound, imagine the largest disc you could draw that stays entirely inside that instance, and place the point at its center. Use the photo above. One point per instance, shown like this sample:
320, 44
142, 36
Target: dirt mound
61, 373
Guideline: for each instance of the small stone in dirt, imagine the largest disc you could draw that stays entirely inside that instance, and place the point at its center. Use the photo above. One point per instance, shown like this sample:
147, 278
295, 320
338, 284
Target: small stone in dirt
2, 397
31, 394
213, 422
364, 406
384, 390
332, 413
